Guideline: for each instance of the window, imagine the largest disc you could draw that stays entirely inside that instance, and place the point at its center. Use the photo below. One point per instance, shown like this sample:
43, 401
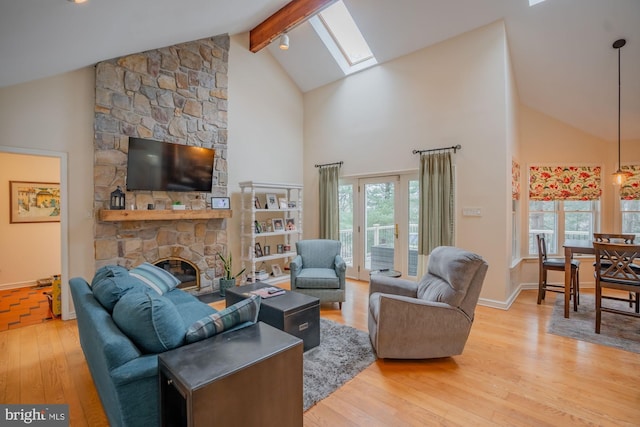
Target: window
630, 216
630, 200
340, 34
562, 220
564, 204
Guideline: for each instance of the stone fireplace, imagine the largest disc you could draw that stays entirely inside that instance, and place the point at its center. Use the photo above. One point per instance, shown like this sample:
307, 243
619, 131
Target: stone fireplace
175, 94
186, 271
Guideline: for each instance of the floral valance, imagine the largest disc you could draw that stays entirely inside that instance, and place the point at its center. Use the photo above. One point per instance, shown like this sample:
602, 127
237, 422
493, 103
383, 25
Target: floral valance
564, 183
630, 190
515, 180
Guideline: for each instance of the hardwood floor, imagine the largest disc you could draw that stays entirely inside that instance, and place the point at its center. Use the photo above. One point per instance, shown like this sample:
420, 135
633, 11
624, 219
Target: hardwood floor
511, 373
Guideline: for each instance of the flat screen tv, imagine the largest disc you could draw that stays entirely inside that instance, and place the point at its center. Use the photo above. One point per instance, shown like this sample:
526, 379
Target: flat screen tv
163, 166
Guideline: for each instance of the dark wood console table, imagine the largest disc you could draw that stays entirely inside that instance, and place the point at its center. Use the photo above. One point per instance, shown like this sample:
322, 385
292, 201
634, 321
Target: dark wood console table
248, 377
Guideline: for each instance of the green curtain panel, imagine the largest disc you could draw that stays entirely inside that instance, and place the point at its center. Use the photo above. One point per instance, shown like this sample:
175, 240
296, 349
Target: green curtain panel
436, 201
328, 202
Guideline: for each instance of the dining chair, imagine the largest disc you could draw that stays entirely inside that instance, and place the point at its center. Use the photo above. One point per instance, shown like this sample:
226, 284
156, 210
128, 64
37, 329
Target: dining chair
615, 269
556, 264
617, 238
614, 238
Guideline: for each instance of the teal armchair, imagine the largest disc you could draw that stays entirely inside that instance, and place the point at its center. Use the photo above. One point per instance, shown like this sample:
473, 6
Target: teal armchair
318, 270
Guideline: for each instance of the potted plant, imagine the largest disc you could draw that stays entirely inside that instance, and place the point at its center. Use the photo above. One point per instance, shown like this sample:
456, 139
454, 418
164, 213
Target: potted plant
228, 279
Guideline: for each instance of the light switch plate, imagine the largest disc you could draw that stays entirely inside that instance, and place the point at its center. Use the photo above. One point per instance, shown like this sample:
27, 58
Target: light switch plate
471, 212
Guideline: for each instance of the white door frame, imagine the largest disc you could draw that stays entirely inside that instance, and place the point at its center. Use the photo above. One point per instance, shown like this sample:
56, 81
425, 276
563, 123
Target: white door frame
64, 217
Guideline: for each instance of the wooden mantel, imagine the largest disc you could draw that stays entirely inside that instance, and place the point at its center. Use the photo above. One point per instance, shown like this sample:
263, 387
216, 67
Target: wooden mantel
162, 215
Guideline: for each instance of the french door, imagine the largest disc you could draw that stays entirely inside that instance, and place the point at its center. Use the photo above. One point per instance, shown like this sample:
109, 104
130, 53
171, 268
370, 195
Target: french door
379, 224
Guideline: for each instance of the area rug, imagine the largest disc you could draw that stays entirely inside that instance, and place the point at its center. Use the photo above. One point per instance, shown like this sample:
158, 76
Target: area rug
342, 354
617, 331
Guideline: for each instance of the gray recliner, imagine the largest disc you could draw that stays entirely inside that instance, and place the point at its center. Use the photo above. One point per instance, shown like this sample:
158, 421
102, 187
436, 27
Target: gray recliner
319, 270
430, 318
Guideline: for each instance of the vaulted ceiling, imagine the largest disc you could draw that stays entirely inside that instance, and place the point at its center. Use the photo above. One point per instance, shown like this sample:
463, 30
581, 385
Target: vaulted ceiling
561, 50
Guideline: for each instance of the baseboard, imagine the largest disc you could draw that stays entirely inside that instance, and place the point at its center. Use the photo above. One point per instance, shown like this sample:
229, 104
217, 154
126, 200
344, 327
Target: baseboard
17, 285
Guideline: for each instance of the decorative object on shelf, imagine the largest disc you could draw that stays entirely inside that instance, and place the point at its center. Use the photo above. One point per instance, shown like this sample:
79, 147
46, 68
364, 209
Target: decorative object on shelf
258, 227
619, 176
220, 203
291, 204
228, 279
291, 224
116, 201
256, 203
267, 250
150, 207
178, 206
258, 250
287, 248
283, 203
34, 202
280, 248
278, 224
272, 201
276, 270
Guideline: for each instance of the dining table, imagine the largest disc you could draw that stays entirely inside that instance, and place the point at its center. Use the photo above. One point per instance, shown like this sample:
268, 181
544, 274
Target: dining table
572, 247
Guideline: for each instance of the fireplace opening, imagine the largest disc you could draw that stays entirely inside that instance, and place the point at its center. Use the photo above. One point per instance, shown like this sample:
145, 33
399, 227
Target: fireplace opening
187, 272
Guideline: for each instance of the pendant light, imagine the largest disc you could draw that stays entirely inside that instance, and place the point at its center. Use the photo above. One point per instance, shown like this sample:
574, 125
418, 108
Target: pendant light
620, 176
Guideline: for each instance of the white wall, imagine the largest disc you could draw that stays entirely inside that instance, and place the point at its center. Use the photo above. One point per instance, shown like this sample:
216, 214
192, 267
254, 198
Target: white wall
448, 94
56, 115
546, 140
30, 251
265, 127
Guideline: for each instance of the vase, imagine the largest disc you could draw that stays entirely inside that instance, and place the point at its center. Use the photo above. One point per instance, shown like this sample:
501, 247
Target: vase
226, 284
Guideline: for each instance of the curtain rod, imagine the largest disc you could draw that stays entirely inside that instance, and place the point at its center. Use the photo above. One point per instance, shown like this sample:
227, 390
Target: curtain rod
329, 164
453, 147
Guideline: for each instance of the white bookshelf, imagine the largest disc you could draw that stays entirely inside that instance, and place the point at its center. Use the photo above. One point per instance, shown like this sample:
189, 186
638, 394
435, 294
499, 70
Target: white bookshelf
250, 215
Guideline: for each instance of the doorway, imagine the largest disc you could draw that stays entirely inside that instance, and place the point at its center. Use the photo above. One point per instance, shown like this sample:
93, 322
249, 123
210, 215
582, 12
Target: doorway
379, 224
60, 266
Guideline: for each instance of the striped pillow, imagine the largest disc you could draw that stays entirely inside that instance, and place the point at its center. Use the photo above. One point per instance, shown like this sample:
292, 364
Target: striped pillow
154, 277
240, 312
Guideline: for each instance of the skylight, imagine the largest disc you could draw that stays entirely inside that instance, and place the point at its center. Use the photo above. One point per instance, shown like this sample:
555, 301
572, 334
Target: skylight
341, 35
534, 2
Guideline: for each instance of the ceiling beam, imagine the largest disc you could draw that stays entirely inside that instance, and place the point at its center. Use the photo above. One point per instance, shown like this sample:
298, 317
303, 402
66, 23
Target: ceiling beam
292, 14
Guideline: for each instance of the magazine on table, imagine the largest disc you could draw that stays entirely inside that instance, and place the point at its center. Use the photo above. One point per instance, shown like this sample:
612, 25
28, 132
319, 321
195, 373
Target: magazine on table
269, 292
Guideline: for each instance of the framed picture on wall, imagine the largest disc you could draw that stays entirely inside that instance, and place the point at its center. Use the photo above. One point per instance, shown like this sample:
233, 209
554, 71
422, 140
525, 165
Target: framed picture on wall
34, 202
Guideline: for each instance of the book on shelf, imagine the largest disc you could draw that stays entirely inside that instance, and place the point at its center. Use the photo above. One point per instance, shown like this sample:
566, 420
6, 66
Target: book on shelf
260, 276
269, 292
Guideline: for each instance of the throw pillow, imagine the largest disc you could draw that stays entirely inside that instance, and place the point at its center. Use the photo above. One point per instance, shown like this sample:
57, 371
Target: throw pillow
154, 277
110, 289
108, 271
149, 320
240, 312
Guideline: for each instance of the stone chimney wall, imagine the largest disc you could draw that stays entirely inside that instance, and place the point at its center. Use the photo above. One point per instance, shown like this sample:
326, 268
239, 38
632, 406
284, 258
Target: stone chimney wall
175, 94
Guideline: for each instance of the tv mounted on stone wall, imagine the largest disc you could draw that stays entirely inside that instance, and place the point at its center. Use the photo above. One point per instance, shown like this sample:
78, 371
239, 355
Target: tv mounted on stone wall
163, 166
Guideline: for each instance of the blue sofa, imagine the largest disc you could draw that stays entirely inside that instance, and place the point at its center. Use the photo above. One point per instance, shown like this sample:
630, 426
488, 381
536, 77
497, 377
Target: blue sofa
124, 366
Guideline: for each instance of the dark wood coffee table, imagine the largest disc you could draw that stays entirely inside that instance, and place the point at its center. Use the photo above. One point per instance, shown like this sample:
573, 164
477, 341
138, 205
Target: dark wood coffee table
292, 312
